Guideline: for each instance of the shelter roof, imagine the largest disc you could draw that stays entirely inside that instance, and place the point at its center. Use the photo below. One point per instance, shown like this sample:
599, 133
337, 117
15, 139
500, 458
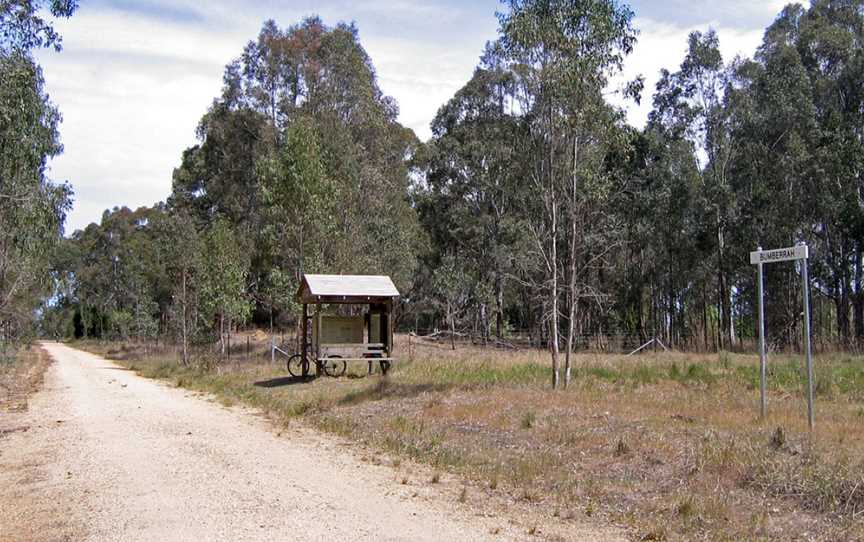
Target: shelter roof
346, 289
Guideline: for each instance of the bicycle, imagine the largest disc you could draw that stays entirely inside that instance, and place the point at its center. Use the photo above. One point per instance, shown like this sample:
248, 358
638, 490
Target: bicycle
298, 365
334, 366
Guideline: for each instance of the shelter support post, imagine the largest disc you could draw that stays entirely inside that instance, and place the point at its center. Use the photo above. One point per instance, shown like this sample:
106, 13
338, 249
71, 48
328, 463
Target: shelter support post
367, 324
304, 341
318, 339
389, 328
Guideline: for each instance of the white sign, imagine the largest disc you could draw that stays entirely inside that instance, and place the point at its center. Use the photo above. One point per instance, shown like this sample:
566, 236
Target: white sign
798, 252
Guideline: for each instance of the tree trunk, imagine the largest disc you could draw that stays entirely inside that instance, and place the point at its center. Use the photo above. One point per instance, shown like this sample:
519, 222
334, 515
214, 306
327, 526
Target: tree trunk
499, 305
484, 323
858, 296
452, 319
845, 299
731, 316
670, 309
571, 290
722, 297
705, 318
221, 335
183, 318
553, 324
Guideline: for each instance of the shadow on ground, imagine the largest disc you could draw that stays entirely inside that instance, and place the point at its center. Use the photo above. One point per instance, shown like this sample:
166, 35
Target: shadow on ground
385, 388
284, 381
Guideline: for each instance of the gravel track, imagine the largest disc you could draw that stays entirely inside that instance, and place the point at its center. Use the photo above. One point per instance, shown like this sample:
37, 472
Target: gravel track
103, 454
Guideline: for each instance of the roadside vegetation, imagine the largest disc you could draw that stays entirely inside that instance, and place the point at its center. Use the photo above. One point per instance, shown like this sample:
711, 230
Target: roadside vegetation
668, 445
21, 373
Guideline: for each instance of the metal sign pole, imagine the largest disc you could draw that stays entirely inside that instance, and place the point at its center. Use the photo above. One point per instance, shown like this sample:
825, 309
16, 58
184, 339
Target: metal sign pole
806, 289
758, 258
762, 362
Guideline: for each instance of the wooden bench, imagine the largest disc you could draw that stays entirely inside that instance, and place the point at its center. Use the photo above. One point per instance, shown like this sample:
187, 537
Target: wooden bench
369, 352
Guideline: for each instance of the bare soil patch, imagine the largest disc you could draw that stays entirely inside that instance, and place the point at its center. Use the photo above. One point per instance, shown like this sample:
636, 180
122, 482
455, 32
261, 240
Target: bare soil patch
33, 506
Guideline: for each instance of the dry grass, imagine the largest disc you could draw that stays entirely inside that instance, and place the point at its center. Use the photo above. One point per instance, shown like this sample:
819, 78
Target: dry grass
21, 375
668, 445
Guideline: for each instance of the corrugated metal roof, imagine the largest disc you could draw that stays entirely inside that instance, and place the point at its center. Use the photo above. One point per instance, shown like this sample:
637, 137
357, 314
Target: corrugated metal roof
359, 286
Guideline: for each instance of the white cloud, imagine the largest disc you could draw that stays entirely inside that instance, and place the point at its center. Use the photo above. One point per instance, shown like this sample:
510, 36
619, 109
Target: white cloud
131, 93
422, 76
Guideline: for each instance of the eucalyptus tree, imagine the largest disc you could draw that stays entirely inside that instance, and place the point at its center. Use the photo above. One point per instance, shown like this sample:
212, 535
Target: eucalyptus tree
176, 236
23, 26
472, 179
775, 130
830, 42
564, 52
693, 103
32, 208
117, 271
451, 290
301, 201
797, 175
225, 270
655, 278
301, 124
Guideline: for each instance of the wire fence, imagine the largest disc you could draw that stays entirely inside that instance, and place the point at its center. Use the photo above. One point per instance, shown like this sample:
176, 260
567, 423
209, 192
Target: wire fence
622, 343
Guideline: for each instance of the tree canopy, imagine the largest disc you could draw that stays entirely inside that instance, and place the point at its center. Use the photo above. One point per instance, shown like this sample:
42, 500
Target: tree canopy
534, 211
32, 208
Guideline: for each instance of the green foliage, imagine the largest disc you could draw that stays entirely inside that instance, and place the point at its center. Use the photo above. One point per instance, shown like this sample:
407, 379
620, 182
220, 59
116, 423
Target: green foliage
303, 156
520, 179
112, 279
301, 202
181, 246
469, 201
32, 209
224, 273
22, 26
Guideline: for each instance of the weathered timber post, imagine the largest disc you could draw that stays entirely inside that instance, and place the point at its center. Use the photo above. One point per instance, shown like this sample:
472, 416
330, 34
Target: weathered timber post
304, 341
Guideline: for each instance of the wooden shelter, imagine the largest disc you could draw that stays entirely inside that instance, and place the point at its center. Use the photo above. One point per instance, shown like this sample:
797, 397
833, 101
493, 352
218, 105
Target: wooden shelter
369, 338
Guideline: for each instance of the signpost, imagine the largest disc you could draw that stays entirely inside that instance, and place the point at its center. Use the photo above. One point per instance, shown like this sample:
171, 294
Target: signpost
758, 258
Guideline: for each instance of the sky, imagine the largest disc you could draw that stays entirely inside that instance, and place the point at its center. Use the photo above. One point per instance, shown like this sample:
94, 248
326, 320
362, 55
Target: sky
135, 77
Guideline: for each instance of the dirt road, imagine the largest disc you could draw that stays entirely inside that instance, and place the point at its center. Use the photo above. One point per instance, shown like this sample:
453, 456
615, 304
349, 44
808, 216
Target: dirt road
103, 454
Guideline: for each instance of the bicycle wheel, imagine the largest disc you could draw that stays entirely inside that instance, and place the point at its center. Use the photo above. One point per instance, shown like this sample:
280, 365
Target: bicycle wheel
298, 366
385, 366
335, 366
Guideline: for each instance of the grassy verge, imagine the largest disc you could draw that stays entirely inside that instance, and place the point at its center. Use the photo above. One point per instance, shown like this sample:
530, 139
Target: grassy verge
668, 445
21, 372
